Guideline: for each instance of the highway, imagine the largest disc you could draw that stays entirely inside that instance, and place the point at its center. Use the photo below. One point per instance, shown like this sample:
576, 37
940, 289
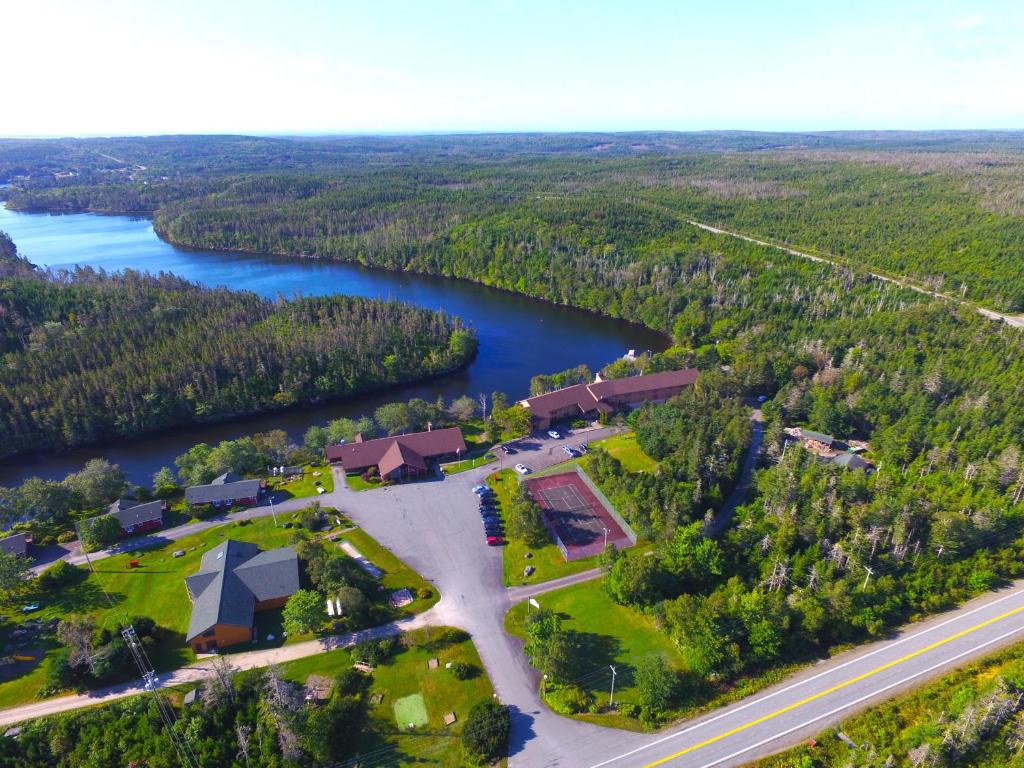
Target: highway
828, 692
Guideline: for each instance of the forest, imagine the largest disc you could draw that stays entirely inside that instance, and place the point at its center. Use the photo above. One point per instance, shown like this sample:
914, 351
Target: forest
943, 208
88, 356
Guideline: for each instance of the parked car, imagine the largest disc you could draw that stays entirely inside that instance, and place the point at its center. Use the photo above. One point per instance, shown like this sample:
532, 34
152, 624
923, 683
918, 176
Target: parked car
582, 448
762, 398
553, 434
30, 608
522, 469
495, 541
481, 489
508, 450
568, 451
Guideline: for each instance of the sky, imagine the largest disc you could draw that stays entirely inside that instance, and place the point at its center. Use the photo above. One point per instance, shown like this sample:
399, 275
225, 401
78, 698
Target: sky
84, 67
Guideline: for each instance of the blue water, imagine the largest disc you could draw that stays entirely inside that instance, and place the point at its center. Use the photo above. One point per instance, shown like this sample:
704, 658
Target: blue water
519, 337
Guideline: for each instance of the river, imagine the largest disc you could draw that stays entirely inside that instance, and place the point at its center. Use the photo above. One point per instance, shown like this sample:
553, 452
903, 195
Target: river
519, 337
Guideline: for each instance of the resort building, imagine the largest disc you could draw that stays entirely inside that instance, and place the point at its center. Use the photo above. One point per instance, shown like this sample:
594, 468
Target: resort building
225, 491
401, 456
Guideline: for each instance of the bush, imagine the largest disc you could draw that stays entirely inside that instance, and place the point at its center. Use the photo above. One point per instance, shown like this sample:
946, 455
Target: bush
374, 652
349, 682
66, 537
424, 593
60, 574
99, 532
485, 734
462, 671
570, 700
629, 710
312, 518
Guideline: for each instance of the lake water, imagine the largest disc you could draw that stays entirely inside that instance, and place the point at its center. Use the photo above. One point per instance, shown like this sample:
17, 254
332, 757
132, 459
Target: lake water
519, 337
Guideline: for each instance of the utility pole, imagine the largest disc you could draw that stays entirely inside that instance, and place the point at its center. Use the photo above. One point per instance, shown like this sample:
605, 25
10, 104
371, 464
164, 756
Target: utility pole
611, 697
273, 514
606, 538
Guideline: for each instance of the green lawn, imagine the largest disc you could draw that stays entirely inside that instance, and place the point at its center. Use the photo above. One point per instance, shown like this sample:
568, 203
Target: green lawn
305, 484
611, 633
471, 463
406, 674
624, 448
614, 634
356, 483
396, 573
156, 588
547, 560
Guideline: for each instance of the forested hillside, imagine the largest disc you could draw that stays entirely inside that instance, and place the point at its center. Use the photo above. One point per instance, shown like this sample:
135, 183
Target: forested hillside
88, 356
945, 209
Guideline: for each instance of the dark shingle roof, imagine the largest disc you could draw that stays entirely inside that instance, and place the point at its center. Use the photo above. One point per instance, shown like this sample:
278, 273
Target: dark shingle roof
399, 455
367, 453
650, 382
222, 491
850, 461
232, 578
590, 397
14, 545
810, 434
129, 512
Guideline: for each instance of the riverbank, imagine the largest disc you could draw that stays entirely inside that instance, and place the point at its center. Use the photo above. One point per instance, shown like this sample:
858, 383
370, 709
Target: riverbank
517, 338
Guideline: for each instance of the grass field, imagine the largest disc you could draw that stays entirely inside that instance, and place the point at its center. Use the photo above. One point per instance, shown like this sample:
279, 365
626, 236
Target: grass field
404, 675
356, 483
410, 711
396, 573
156, 588
625, 449
547, 560
614, 634
611, 634
306, 484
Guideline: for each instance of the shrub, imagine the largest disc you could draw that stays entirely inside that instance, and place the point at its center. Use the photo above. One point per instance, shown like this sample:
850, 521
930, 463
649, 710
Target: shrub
349, 682
60, 574
99, 532
424, 593
485, 734
66, 537
570, 700
374, 652
629, 710
460, 670
312, 518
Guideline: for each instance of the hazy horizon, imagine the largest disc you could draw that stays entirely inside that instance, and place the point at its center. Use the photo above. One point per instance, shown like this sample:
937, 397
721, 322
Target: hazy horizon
509, 66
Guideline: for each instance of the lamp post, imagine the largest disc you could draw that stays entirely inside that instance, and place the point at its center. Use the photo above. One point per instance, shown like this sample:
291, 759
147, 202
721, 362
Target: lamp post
544, 686
606, 538
611, 697
272, 512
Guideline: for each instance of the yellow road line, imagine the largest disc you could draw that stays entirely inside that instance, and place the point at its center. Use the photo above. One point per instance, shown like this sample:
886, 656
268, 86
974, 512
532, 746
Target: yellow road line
837, 687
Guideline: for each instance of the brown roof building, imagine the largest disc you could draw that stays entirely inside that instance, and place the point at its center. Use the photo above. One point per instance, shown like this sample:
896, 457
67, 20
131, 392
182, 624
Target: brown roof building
400, 456
607, 396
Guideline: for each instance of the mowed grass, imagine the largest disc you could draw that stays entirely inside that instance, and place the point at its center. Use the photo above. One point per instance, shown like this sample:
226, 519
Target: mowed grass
611, 634
406, 674
625, 449
305, 484
547, 560
156, 588
397, 575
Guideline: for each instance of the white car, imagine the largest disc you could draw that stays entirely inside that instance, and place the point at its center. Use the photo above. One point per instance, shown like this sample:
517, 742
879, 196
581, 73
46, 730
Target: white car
553, 434
522, 469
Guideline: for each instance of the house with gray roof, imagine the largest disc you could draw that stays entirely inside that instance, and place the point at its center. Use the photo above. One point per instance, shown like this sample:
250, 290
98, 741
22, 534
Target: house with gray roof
235, 581
134, 516
225, 491
15, 544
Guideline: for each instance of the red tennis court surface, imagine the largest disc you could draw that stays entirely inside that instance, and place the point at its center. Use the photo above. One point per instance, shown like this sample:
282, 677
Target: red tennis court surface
574, 515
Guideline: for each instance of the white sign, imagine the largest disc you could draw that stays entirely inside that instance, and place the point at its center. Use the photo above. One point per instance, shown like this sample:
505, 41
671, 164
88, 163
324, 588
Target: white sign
534, 603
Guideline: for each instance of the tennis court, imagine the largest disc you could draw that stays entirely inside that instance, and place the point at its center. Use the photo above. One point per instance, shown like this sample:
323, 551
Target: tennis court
575, 516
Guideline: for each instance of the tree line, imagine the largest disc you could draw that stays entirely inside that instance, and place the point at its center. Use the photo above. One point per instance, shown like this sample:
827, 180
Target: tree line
89, 356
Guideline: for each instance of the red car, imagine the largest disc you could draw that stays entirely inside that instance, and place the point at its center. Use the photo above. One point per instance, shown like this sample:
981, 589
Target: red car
495, 541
